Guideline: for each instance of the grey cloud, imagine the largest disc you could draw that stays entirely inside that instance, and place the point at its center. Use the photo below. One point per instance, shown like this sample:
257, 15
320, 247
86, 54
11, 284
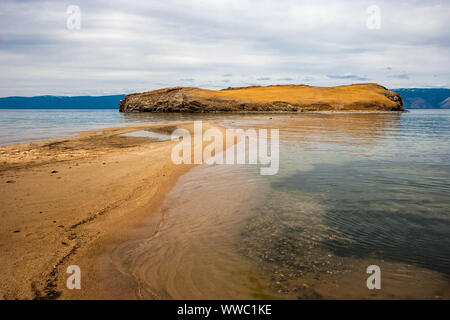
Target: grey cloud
146, 45
349, 77
401, 76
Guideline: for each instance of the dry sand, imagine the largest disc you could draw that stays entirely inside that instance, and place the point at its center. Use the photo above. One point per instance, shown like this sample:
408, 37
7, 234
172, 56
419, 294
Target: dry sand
67, 201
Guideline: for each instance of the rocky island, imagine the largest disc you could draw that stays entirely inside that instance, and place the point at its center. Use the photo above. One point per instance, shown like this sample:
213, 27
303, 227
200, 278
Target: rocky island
277, 98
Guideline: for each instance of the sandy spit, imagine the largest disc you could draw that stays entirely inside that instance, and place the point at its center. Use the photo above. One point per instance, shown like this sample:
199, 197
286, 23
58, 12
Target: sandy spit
69, 201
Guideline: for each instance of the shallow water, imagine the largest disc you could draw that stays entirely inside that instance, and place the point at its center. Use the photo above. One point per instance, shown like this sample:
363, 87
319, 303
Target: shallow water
194, 253
352, 190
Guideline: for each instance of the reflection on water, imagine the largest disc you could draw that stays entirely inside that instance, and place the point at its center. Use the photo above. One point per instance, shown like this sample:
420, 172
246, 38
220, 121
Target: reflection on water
352, 190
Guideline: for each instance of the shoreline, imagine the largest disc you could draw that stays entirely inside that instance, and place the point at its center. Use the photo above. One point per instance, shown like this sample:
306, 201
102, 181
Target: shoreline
67, 201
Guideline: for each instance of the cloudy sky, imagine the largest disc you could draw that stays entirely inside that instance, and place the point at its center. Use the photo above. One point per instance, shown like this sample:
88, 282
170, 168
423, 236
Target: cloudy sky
132, 46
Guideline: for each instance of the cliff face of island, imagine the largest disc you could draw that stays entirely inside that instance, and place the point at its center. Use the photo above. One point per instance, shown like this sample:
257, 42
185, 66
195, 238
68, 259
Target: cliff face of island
287, 98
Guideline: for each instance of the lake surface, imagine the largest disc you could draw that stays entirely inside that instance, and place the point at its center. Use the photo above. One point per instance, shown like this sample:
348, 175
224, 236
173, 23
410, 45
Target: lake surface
352, 190
17, 126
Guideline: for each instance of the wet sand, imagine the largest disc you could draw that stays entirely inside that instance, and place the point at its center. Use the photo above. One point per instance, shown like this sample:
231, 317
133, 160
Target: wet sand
67, 201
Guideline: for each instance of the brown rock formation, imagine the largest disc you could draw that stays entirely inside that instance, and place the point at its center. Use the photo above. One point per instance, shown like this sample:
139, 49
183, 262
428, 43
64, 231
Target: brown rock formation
290, 98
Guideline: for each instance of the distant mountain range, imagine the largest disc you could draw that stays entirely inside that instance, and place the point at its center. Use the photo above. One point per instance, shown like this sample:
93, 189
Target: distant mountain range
417, 98
61, 102
413, 98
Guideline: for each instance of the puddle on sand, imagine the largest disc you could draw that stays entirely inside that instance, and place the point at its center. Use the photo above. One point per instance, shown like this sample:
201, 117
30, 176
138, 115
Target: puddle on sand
147, 134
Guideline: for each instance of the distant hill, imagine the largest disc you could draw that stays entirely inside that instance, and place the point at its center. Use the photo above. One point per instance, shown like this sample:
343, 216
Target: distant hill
417, 98
413, 98
61, 102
